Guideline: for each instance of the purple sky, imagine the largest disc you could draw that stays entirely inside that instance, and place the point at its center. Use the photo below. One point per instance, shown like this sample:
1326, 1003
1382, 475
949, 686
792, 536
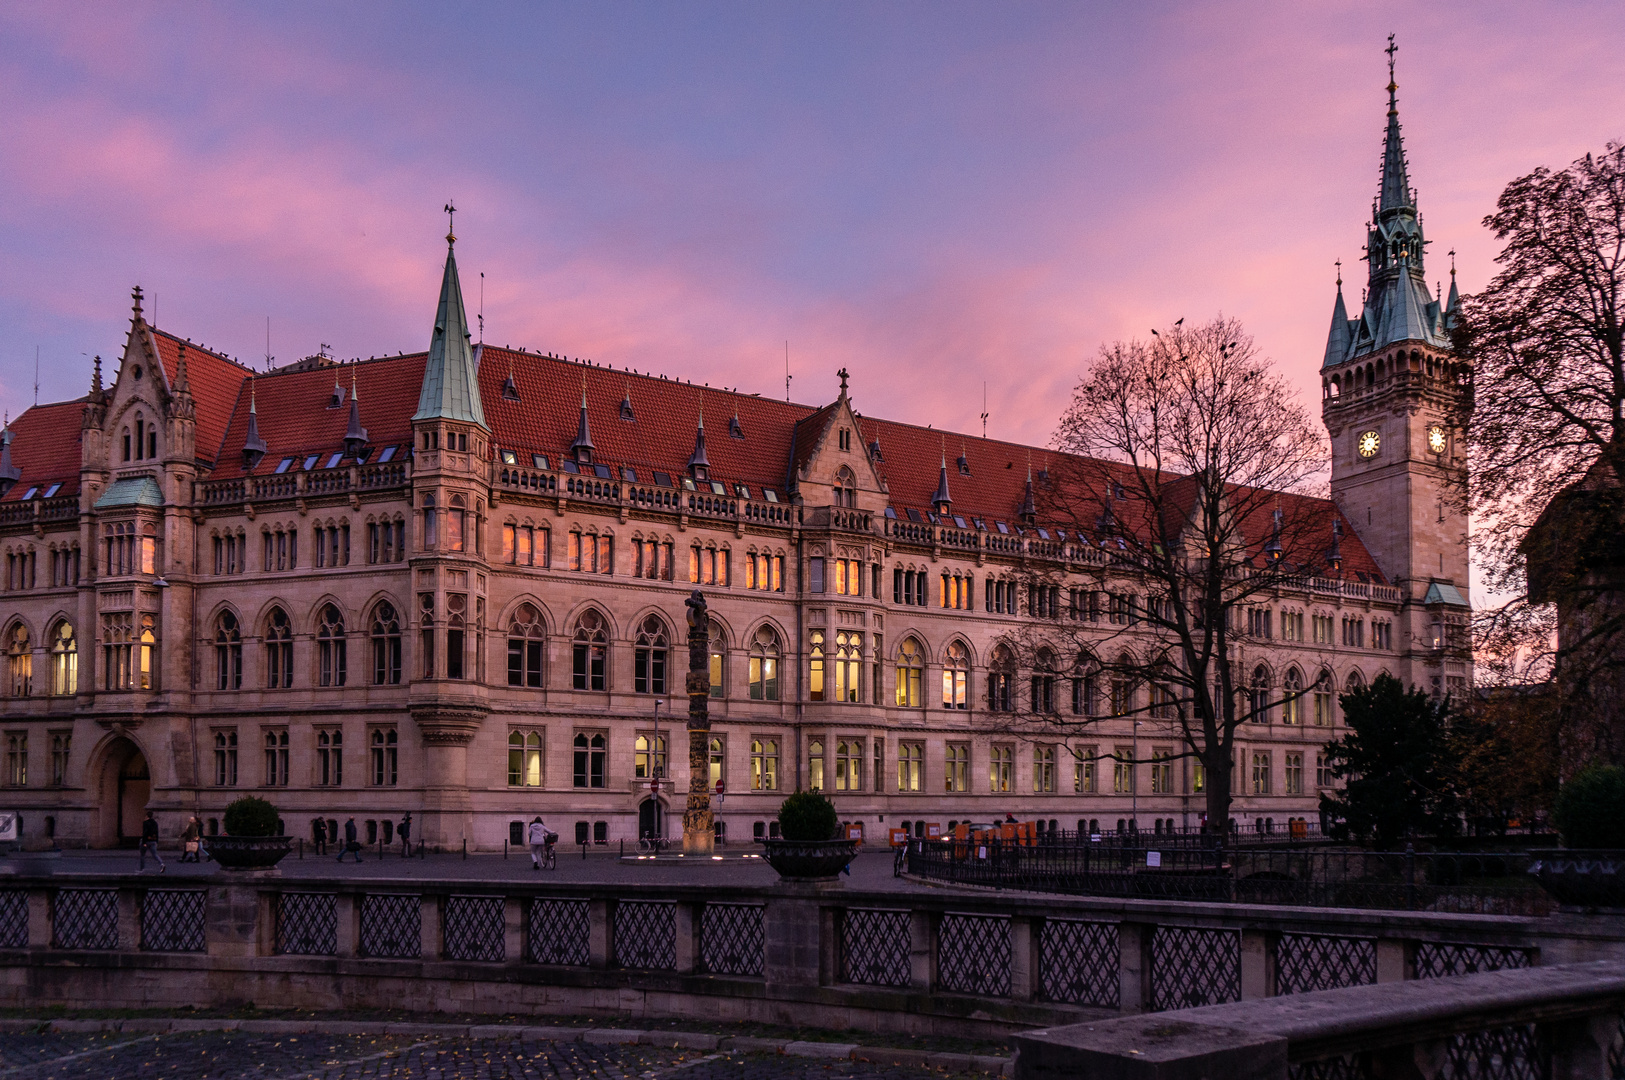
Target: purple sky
930, 194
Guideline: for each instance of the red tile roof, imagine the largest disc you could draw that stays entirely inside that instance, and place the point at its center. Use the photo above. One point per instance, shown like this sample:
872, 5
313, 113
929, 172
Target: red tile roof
45, 446
294, 420
214, 382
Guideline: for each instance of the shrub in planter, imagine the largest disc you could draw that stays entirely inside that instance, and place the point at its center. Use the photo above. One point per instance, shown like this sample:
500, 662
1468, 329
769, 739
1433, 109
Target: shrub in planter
249, 816
808, 816
1590, 810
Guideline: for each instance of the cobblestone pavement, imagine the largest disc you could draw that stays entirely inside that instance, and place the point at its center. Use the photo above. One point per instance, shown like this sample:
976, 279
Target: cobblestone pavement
229, 1055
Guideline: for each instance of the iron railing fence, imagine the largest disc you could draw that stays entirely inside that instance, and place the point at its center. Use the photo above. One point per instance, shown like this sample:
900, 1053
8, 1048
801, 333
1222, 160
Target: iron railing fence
1493, 883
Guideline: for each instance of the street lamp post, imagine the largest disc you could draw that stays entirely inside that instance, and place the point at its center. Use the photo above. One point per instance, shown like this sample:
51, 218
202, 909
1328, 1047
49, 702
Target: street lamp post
656, 774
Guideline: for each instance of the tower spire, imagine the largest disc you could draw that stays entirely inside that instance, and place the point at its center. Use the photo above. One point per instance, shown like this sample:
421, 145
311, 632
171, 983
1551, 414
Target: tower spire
355, 436
450, 390
254, 447
582, 448
942, 501
698, 461
1396, 191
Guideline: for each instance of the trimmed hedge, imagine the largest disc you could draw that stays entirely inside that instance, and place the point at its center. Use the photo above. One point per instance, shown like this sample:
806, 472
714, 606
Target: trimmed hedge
808, 816
1590, 811
249, 816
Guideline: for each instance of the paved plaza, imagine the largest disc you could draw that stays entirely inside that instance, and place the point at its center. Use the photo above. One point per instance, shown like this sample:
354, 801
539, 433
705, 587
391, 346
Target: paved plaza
237, 1055
871, 870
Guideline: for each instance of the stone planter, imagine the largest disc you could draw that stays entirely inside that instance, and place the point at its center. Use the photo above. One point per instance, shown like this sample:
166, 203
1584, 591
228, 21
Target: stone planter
1579, 878
809, 860
247, 852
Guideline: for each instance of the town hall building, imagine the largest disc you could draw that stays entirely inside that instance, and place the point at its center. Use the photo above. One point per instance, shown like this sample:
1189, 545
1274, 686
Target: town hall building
451, 584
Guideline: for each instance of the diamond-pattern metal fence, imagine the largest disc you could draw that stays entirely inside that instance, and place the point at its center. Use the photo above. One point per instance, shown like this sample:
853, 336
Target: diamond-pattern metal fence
1191, 966
646, 934
874, 947
307, 924
473, 928
85, 919
1616, 1051
1513, 1052
731, 939
1440, 959
391, 926
1078, 963
1342, 1067
1308, 962
13, 918
973, 954
558, 932
172, 920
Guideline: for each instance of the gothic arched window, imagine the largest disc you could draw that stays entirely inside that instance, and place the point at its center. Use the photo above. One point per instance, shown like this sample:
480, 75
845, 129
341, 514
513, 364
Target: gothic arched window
278, 650
590, 651
526, 639
64, 660
764, 665
1292, 697
1259, 695
1086, 686
846, 484
1001, 676
1323, 700
955, 676
1043, 682
910, 674
20, 659
649, 657
228, 653
717, 656
386, 645
330, 647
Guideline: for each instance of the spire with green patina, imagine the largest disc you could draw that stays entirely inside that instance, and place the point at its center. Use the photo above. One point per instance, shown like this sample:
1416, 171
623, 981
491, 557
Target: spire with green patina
451, 389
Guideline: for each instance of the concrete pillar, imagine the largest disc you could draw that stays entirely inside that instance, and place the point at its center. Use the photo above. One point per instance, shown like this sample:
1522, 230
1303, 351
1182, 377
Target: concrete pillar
129, 918
686, 926
1257, 964
829, 945
39, 918
1134, 966
431, 913
236, 916
922, 950
347, 910
1024, 933
598, 933
513, 930
791, 946
1394, 960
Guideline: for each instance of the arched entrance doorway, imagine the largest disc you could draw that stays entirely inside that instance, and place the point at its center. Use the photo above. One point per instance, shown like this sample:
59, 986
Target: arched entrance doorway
651, 819
126, 787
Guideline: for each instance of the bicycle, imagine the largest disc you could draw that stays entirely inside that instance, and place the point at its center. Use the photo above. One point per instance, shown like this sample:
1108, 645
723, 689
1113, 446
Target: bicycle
653, 845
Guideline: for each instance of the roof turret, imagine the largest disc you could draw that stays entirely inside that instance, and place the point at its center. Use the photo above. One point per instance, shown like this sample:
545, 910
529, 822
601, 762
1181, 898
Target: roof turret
942, 501
355, 436
254, 447
697, 460
451, 390
582, 448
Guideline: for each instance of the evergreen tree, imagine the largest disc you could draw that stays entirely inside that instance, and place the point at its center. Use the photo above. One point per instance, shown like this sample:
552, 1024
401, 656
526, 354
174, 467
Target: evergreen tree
1396, 764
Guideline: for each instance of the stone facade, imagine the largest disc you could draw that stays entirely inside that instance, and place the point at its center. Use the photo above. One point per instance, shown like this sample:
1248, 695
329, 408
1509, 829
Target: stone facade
220, 582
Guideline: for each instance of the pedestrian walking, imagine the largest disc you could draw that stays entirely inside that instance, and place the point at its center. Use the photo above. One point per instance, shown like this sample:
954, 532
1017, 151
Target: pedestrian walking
350, 844
149, 842
537, 838
318, 835
192, 840
405, 830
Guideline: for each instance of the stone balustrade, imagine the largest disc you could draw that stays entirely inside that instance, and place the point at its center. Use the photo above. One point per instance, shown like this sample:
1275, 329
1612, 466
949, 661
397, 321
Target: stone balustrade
868, 959
1565, 1022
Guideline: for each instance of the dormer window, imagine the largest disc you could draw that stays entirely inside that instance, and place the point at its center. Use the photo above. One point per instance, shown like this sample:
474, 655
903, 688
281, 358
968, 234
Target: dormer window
285, 465
734, 429
626, 410
387, 455
964, 465
509, 457
52, 490
336, 400
333, 461
310, 461
510, 389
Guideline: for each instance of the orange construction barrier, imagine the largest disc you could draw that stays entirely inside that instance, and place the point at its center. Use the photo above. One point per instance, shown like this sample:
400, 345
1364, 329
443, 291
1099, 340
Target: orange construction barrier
898, 837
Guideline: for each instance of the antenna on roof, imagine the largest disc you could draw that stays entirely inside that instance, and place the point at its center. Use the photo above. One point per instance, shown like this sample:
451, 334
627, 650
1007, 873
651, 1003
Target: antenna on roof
482, 307
36, 374
984, 408
787, 370
268, 356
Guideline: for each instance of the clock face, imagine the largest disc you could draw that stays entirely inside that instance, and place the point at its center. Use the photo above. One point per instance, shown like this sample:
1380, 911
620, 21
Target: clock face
1368, 443
1436, 439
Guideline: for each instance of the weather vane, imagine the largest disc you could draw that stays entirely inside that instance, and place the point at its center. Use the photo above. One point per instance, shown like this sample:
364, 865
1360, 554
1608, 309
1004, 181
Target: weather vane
451, 227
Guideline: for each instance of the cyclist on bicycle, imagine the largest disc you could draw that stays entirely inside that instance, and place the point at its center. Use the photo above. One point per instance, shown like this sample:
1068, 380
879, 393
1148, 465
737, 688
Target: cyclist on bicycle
541, 843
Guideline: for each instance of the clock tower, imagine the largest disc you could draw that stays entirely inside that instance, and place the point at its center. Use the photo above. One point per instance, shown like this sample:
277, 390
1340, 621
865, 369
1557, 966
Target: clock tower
1392, 400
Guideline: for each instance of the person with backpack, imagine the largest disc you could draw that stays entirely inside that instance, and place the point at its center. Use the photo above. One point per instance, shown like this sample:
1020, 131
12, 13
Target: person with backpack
405, 832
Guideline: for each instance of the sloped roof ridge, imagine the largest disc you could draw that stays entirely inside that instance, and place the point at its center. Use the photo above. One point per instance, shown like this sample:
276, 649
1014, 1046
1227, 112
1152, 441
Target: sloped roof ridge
192, 346
629, 373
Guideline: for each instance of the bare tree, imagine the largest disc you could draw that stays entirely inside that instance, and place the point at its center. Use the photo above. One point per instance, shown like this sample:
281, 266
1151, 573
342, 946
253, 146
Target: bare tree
1546, 340
1177, 505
